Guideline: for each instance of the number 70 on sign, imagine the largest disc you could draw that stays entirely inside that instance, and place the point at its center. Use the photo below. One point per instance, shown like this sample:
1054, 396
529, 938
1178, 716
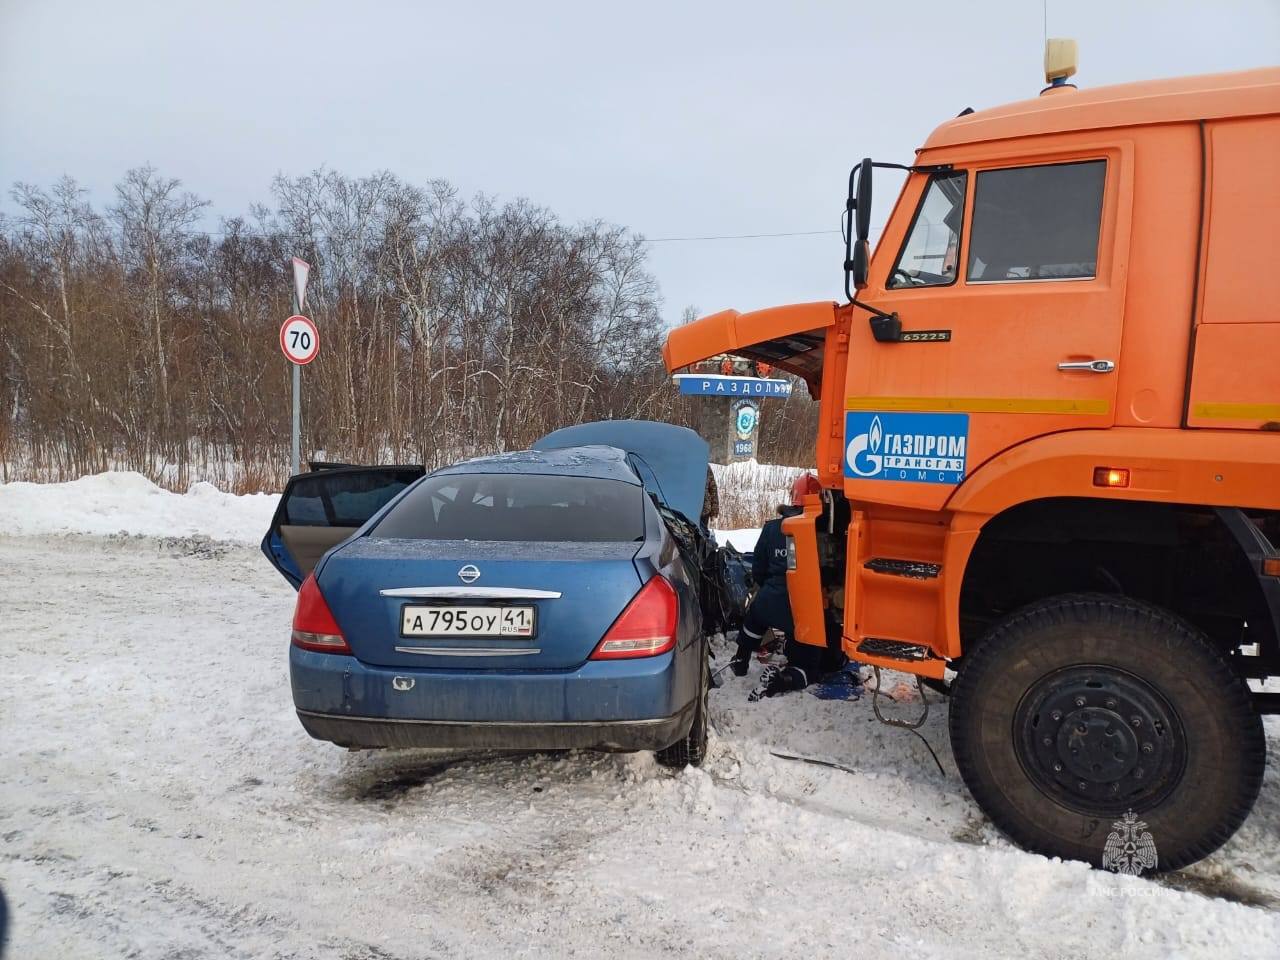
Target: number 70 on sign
299, 340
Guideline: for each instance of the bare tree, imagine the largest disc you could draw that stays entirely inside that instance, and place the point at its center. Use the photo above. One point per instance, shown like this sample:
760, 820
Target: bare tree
154, 219
448, 329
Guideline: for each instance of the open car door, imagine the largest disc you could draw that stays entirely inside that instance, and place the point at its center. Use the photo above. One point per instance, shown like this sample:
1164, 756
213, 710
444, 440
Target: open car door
319, 510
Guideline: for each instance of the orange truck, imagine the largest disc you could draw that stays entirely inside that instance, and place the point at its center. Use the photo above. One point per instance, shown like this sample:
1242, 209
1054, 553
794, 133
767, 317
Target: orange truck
1049, 450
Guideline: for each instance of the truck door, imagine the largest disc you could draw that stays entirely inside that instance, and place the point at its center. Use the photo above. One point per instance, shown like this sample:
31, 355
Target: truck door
1009, 280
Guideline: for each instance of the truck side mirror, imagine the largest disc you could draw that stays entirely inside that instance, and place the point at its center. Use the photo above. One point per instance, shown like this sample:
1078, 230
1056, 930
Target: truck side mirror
861, 263
863, 198
857, 249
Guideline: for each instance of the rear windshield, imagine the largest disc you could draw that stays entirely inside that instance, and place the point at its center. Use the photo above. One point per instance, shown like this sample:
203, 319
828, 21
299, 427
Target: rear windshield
516, 507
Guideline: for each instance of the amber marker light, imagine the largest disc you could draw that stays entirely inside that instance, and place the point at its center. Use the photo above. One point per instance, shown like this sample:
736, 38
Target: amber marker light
1110, 477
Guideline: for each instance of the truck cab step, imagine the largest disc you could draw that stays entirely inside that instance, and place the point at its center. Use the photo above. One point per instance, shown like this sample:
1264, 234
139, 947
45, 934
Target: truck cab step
911, 569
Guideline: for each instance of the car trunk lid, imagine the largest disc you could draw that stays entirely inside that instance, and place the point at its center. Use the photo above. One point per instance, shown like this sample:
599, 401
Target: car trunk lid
576, 591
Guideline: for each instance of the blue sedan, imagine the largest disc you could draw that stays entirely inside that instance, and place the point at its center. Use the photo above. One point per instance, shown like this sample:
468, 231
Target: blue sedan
546, 599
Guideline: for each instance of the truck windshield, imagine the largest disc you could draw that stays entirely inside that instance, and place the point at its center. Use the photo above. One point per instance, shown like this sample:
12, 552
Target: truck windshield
931, 253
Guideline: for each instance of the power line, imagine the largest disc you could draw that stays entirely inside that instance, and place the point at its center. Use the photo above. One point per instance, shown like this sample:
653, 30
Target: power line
359, 234
283, 234
741, 236
362, 234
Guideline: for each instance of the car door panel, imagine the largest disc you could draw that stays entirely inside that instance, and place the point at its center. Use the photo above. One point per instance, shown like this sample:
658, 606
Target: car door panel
320, 509
308, 544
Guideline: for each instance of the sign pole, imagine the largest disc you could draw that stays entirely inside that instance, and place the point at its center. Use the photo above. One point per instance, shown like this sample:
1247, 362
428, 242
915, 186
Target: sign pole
301, 273
296, 449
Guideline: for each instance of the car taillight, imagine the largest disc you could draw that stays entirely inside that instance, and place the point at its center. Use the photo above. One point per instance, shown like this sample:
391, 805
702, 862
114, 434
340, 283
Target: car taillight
646, 628
313, 625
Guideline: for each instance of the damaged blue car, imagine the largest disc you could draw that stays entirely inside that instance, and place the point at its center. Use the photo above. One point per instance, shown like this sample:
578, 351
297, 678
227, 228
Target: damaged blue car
547, 599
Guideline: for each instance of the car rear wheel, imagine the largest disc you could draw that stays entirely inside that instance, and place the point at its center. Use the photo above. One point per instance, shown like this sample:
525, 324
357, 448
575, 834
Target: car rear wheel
691, 749
1079, 710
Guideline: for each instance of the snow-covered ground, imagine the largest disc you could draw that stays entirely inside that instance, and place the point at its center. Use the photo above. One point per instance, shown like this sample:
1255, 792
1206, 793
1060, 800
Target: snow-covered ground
159, 799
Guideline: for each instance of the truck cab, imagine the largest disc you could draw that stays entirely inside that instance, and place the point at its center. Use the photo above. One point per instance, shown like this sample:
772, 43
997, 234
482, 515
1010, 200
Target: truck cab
1049, 447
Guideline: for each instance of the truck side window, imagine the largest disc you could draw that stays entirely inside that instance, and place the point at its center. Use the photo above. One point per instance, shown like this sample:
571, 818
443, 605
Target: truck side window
1036, 223
931, 254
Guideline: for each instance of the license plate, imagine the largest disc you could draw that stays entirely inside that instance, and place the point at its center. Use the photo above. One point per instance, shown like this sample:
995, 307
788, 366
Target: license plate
455, 621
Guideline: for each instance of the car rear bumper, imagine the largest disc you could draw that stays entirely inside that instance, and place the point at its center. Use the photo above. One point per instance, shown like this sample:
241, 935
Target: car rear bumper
640, 704
616, 735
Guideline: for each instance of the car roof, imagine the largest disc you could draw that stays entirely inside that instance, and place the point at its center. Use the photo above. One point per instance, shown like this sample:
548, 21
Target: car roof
1205, 97
596, 461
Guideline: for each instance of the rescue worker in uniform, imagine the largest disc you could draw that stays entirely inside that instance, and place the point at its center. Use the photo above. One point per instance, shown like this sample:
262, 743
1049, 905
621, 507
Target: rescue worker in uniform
771, 609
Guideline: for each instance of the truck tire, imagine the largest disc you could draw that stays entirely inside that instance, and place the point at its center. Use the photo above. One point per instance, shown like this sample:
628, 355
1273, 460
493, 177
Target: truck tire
1077, 709
691, 749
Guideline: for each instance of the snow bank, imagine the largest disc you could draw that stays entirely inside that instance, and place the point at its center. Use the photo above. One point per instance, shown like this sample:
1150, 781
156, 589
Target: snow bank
749, 495
125, 502
129, 503
750, 492
752, 473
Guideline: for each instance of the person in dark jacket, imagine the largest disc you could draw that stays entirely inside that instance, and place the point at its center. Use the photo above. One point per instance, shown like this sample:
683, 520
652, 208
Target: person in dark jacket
771, 609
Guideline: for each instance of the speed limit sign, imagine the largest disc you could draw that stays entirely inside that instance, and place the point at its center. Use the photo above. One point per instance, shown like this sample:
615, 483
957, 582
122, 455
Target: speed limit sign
299, 340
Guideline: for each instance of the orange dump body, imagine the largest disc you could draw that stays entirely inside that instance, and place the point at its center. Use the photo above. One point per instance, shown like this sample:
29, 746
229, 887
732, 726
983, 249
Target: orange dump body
1088, 279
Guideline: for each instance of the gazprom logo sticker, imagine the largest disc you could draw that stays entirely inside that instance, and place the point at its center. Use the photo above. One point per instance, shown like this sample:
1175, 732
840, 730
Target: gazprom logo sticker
915, 447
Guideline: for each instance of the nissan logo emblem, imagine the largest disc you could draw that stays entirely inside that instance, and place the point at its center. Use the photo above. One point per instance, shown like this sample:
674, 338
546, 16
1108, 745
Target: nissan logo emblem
469, 574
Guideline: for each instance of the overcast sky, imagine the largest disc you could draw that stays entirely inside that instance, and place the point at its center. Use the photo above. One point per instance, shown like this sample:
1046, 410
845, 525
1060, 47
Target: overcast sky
674, 119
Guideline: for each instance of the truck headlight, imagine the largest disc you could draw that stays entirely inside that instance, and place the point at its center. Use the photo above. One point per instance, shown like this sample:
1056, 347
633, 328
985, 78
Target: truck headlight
791, 553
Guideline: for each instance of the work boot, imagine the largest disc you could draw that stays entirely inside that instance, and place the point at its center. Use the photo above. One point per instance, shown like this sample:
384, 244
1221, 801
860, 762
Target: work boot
761, 690
775, 680
741, 661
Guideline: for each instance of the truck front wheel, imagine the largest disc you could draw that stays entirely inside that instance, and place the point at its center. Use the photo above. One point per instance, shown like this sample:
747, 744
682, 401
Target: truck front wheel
1078, 709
